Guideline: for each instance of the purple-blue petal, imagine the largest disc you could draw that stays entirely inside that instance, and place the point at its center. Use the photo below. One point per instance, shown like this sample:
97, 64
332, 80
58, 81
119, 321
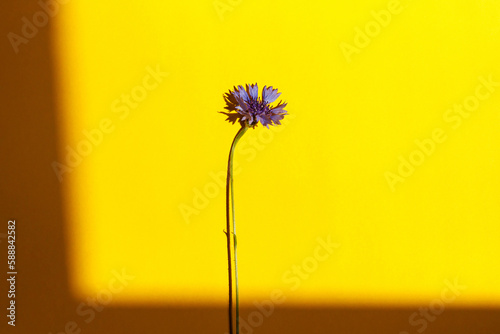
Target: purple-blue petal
278, 110
270, 95
253, 91
243, 93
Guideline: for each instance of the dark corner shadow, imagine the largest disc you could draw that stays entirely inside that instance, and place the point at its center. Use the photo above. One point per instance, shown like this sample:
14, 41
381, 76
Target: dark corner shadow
31, 194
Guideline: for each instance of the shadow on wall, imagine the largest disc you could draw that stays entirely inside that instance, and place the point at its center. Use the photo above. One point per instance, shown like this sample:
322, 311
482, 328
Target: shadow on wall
31, 194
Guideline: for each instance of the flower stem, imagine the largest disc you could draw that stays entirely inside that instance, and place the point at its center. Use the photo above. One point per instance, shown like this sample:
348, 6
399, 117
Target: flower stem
229, 231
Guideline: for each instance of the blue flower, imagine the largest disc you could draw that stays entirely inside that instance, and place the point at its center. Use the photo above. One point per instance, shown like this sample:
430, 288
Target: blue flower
246, 107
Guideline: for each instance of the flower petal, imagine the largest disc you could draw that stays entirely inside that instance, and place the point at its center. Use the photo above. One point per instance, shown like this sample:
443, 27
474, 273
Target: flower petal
243, 93
253, 91
277, 118
279, 108
269, 95
241, 103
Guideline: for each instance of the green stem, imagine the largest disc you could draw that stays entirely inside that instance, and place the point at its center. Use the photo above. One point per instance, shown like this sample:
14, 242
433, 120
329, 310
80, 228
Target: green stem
230, 198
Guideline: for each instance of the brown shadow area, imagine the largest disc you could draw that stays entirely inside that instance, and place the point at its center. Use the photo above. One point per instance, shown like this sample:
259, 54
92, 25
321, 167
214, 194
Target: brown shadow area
31, 194
296, 320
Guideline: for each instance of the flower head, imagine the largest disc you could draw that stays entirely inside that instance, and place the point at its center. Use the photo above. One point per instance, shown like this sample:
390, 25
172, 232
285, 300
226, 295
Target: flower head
245, 106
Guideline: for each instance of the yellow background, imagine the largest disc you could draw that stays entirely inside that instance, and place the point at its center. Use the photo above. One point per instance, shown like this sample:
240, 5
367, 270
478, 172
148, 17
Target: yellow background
322, 174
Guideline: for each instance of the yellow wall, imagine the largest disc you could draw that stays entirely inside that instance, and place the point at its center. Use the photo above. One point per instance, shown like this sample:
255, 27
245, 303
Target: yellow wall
358, 104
